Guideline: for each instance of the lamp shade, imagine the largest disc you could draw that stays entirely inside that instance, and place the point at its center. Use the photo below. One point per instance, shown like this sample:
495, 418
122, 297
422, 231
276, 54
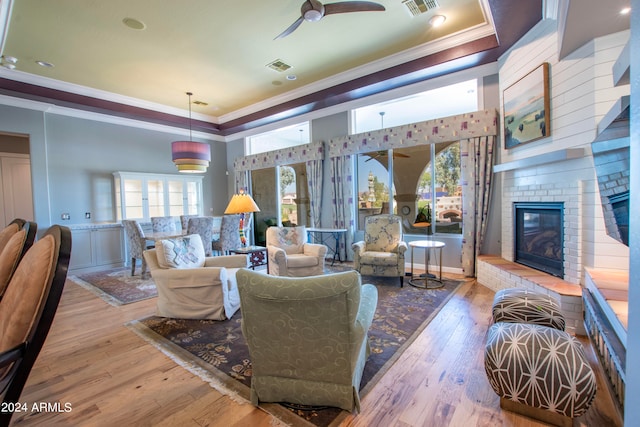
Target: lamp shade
241, 203
191, 156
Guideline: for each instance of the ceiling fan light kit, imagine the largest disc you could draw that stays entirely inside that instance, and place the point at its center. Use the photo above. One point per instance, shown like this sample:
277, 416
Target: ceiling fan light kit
314, 11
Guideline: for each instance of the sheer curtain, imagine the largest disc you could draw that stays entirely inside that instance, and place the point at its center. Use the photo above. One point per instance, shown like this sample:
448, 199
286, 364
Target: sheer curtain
476, 162
314, 183
342, 201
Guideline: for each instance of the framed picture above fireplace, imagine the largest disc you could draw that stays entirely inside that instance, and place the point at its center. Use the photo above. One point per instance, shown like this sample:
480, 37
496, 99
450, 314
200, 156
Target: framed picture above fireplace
525, 108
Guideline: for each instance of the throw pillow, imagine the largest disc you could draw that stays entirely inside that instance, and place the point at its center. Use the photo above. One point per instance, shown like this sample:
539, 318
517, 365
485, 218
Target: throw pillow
181, 252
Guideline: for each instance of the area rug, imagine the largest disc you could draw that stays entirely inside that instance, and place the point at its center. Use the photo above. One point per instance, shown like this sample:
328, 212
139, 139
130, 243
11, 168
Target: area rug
217, 352
117, 286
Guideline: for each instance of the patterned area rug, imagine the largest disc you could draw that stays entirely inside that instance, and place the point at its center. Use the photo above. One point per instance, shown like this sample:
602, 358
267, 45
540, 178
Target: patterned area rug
217, 352
117, 286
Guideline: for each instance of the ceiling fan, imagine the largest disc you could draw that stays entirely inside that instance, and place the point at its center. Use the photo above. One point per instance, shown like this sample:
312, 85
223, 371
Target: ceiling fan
313, 11
383, 153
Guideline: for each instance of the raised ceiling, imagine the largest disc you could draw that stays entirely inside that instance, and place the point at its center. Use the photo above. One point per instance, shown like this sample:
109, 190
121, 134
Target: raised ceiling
219, 50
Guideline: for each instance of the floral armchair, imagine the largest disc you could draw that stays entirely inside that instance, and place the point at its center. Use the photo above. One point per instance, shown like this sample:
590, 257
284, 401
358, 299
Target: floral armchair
382, 252
290, 255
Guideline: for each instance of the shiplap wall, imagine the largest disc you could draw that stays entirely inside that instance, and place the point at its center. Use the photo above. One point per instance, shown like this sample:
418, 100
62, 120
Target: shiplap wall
582, 92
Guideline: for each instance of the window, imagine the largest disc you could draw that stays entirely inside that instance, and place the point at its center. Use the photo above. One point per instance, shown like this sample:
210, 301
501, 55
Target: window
441, 102
288, 136
442, 178
418, 185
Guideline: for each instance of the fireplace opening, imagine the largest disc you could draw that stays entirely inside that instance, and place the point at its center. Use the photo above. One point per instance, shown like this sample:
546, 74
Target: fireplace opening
539, 236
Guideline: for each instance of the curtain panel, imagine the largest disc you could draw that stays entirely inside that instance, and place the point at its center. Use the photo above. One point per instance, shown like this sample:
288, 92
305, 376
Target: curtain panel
476, 163
342, 201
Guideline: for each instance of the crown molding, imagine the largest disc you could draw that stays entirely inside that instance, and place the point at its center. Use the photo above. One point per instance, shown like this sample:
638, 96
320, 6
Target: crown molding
47, 108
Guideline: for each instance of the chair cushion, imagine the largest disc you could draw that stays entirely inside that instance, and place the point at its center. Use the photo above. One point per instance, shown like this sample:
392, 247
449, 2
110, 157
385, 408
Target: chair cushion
291, 240
9, 258
181, 252
6, 233
379, 258
300, 261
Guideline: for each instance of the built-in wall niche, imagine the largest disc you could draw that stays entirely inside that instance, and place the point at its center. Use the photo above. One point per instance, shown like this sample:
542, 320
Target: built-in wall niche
611, 160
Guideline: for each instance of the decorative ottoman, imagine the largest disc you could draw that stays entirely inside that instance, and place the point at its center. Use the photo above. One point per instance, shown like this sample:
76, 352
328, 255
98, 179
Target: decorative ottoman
518, 305
539, 372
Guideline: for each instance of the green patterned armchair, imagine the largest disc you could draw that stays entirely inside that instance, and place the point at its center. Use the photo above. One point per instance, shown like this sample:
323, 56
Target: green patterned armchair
381, 253
307, 337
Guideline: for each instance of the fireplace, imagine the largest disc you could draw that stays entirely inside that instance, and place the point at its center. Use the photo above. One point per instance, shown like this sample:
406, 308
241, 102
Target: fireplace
539, 236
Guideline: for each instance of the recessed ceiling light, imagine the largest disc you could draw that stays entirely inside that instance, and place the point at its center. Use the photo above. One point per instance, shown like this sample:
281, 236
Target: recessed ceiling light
45, 64
292, 77
437, 20
134, 24
625, 11
9, 59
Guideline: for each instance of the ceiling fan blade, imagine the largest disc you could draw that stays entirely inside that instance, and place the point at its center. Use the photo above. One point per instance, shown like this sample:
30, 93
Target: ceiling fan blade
352, 6
291, 28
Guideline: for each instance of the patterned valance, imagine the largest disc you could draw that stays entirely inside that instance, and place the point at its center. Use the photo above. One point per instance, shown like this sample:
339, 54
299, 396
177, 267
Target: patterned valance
446, 129
284, 156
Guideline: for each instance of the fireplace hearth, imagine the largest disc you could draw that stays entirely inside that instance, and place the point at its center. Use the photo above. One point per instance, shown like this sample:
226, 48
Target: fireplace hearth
539, 236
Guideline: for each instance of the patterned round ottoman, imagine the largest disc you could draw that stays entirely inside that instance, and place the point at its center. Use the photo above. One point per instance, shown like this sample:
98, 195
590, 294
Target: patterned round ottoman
519, 305
540, 367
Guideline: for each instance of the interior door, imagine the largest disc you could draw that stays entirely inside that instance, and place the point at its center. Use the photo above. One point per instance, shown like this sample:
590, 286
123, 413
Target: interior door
17, 196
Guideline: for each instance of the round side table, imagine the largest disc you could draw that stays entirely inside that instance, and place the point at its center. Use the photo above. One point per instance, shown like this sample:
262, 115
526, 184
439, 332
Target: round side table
422, 280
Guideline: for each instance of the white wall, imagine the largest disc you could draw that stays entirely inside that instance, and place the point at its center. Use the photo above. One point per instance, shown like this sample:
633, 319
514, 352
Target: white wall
581, 91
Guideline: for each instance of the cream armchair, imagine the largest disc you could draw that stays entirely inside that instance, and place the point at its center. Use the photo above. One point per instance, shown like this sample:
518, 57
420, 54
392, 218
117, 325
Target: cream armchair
190, 285
300, 358
381, 253
290, 254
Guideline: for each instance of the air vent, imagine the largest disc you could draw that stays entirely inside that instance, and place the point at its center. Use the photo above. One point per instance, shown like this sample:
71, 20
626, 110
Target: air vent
418, 7
279, 65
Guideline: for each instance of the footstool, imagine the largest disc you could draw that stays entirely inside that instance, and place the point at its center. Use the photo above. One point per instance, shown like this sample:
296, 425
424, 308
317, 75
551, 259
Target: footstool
519, 305
539, 372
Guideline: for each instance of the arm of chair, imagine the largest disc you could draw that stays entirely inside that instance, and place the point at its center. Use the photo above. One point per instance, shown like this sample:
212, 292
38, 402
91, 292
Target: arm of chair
229, 261
358, 248
402, 247
277, 260
315, 249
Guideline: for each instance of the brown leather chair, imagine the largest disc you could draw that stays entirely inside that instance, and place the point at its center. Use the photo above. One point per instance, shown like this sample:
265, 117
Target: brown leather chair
18, 237
27, 310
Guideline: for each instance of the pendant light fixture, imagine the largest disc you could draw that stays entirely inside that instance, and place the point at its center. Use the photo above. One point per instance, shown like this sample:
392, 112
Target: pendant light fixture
190, 156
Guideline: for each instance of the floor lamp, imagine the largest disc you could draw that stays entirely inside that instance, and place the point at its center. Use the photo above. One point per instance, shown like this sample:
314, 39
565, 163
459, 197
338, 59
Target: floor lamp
242, 204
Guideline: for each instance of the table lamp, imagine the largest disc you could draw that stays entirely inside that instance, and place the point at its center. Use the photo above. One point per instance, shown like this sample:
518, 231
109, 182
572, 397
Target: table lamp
242, 204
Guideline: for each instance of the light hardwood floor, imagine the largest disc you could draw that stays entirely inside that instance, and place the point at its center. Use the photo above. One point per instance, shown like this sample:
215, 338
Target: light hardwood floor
111, 377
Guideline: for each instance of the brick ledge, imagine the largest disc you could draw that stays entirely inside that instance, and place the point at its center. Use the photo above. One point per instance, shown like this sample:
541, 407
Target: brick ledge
547, 281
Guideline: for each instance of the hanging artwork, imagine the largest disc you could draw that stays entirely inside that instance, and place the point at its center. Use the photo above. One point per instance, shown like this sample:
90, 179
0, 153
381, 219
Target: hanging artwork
526, 108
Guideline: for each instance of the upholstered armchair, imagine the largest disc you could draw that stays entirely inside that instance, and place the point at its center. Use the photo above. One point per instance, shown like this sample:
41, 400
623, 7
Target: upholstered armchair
136, 244
202, 225
381, 253
190, 285
165, 223
307, 337
229, 234
290, 254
